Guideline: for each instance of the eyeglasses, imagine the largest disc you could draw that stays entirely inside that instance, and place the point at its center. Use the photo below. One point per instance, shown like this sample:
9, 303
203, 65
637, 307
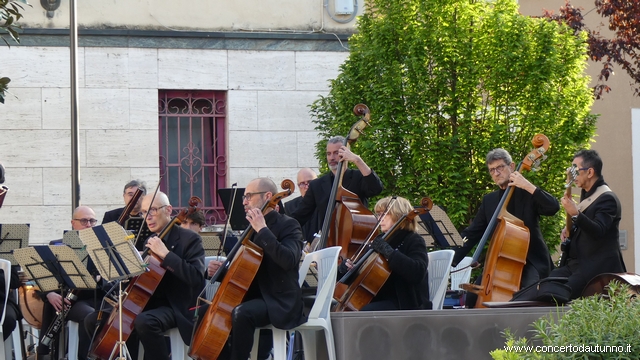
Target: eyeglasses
248, 196
87, 221
303, 184
583, 169
498, 168
153, 211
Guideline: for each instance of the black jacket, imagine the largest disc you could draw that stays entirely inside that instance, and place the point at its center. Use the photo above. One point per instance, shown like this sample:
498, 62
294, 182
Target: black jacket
595, 246
317, 196
112, 215
525, 206
184, 278
307, 231
14, 283
277, 277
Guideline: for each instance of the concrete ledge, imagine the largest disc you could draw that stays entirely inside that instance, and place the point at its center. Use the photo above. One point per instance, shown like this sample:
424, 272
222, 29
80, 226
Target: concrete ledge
442, 334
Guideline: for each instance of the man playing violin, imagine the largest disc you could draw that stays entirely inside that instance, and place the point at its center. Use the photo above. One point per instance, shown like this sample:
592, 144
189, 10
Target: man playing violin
363, 182
594, 247
528, 203
274, 296
407, 288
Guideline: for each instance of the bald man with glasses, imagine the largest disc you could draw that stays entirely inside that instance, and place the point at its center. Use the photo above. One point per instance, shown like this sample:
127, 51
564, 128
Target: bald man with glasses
527, 203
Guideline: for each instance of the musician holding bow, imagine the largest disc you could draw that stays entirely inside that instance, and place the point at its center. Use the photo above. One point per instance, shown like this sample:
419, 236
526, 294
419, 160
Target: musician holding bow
274, 296
407, 288
528, 203
594, 248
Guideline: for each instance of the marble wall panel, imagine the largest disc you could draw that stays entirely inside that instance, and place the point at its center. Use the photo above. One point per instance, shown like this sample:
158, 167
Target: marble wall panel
46, 222
104, 108
242, 110
57, 186
262, 70
306, 148
25, 186
143, 109
106, 67
261, 149
122, 148
56, 108
143, 68
314, 70
22, 108
192, 69
38, 148
285, 110
150, 175
104, 185
242, 176
36, 67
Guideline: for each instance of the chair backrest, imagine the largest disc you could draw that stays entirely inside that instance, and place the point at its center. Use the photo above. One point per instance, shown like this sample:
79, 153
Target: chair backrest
210, 289
461, 276
326, 261
438, 272
5, 266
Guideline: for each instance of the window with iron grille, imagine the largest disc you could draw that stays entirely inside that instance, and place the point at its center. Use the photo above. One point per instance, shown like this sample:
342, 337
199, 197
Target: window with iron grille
193, 161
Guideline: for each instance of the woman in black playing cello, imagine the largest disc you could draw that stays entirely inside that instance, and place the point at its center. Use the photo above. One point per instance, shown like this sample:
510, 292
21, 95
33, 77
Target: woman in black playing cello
407, 288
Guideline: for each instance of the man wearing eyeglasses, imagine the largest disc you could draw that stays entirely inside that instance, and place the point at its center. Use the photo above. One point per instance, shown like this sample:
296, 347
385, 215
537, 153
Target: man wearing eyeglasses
274, 296
129, 191
364, 182
304, 177
83, 217
527, 203
594, 248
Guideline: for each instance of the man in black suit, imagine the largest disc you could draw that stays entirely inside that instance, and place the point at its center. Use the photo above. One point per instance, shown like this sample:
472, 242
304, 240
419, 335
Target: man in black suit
304, 177
363, 182
274, 296
130, 189
594, 248
527, 203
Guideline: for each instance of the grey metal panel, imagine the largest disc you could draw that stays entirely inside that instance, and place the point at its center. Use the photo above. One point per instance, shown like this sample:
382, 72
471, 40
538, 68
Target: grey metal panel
444, 334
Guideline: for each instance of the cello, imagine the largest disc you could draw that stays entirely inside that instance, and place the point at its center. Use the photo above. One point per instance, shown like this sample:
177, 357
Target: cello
347, 222
509, 242
241, 265
138, 293
372, 270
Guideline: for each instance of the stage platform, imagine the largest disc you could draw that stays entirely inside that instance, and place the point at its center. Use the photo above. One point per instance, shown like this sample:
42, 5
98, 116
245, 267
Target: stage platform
456, 334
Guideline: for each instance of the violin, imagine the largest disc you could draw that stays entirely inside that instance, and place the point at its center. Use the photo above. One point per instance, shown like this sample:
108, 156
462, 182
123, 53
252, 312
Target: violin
509, 242
241, 266
138, 293
372, 269
347, 222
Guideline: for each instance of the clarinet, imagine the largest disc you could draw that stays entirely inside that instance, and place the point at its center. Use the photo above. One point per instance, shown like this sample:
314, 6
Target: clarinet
57, 324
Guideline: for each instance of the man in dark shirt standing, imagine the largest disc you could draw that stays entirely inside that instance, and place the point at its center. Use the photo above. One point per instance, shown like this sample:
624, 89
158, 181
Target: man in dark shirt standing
363, 182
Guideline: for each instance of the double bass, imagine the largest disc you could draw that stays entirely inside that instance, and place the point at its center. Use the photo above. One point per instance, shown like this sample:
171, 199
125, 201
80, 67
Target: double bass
372, 270
138, 293
241, 266
509, 242
347, 222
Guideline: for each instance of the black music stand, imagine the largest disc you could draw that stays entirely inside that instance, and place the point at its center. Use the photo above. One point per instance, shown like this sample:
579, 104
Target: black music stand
238, 218
54, 267
13, 236
115, 257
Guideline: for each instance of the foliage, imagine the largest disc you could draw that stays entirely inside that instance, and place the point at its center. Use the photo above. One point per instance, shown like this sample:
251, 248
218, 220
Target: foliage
622, 49
9, 15
611, 320
448, 80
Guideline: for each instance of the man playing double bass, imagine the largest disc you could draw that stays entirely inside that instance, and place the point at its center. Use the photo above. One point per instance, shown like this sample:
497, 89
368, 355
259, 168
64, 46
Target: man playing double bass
594, 247
363, 182
274, 296
528, 203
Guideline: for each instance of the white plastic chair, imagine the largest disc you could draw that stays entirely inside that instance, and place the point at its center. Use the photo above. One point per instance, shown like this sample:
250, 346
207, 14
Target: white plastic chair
6, 347
461, 276
178, 347
210, 289
319, 318
438, 272
74, 340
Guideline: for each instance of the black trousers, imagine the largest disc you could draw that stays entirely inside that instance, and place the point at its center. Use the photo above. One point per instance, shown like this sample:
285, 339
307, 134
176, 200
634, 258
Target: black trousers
245, 318
77, 313
10, 320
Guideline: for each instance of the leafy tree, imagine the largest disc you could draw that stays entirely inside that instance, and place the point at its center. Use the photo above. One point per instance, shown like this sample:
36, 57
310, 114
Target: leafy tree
622, 49
9, 15
449, 80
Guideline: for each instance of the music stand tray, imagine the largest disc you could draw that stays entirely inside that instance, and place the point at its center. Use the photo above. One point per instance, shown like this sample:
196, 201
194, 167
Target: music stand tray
112, 251
12, 236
